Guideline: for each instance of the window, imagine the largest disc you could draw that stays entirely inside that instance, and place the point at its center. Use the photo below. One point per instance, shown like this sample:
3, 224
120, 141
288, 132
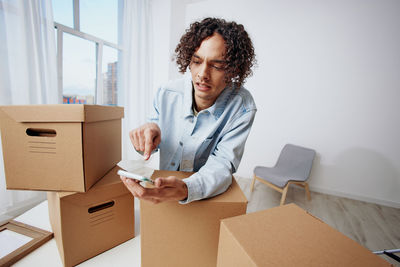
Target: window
79, 70
87, 50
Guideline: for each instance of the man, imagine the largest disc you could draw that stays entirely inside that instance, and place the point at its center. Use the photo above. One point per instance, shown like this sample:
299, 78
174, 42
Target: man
200, 123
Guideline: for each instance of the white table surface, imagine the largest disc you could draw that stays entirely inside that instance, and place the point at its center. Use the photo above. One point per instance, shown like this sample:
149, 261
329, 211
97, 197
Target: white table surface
126, 254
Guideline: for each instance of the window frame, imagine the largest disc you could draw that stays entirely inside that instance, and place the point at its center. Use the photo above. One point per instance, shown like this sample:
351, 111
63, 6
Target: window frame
100, 43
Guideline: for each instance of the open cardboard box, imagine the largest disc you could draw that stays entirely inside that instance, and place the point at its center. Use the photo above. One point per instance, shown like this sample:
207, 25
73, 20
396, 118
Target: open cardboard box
176, 235
59, 147
87, 224
288, 236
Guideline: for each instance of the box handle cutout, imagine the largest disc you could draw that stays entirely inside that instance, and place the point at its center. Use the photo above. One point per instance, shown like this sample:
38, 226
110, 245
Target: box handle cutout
41, 132
101, 207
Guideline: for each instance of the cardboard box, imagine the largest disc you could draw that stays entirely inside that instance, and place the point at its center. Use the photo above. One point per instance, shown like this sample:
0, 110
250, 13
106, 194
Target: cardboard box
176, 235
87, 224
288, 236
59, 147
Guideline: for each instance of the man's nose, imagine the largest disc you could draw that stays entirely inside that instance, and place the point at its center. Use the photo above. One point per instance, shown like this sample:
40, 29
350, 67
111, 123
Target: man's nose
204, 72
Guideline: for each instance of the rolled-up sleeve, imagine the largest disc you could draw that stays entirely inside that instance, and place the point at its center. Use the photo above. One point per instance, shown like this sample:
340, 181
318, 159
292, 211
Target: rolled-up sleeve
215, 176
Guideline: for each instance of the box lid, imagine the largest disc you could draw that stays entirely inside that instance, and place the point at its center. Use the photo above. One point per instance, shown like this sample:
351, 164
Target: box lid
108, 186
232, 194
293, 237
62, 113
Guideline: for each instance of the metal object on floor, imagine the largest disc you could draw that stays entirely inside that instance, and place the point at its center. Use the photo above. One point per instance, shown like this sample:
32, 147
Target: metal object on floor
389, 253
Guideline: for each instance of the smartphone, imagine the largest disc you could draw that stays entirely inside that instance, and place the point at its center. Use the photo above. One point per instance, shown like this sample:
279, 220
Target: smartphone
135, 176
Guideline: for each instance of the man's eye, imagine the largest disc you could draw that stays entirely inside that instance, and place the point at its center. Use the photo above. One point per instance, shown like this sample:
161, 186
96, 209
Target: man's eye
196, 62
218, 67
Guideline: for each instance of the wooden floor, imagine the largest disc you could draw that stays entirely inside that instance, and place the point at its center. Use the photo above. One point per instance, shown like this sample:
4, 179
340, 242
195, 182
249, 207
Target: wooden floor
374, 226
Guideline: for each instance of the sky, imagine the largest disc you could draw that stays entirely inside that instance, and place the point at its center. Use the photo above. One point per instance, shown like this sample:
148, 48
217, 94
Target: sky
98, 18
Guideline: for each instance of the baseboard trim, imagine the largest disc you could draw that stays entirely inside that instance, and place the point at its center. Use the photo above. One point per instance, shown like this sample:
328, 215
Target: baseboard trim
382, 202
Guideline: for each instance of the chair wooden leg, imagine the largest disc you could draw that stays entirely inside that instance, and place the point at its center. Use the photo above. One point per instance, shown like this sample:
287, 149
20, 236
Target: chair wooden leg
284, 192
307, 191
252, 184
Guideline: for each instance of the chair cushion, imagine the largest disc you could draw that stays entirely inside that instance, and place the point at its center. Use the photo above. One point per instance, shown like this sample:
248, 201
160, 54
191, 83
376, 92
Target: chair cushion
278, 177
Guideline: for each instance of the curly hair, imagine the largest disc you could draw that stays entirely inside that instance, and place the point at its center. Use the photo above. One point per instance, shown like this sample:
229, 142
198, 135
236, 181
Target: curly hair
239, 57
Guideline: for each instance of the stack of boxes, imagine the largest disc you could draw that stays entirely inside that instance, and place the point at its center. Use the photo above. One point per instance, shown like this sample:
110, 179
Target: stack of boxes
71, 151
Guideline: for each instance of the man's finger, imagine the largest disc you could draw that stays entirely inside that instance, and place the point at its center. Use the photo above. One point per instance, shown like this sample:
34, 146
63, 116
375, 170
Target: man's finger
167, 189
124, 179
141, 137
139, 190
133, 139
149, 144
170, 181
157, 141
151, 194
129, 186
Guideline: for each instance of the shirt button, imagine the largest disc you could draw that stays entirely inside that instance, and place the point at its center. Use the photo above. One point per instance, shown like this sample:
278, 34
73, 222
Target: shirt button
180, 143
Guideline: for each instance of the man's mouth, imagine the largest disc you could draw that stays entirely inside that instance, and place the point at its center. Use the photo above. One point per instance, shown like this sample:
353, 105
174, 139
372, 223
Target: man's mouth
203, 86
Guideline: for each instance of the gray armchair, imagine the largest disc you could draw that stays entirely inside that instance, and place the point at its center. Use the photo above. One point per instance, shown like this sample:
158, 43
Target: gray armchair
293, 167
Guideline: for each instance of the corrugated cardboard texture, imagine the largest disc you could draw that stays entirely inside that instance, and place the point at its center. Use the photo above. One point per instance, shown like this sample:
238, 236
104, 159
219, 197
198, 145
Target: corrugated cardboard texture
82, 228
176, 235
288, 236
60, 156
102, 148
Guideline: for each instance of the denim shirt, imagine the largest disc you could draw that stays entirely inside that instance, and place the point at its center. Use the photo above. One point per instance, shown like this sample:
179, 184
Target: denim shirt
210, 144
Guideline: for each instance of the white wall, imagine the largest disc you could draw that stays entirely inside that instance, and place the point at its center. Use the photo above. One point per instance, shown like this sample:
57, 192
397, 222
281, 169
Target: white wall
329, 79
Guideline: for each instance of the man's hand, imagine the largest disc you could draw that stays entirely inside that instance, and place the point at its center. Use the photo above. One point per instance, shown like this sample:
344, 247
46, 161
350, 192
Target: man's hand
166, 189
146, 138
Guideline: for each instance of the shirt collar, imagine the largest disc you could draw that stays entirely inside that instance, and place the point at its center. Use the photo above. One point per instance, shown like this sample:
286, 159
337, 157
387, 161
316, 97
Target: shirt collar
216, 110
187, 97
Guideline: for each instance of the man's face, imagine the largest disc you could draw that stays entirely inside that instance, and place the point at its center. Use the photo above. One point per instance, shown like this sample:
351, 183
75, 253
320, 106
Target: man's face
208, 71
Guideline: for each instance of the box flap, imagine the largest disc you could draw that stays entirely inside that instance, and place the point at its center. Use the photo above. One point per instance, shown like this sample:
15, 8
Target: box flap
45, 113
62, 113
102, 113
110, 186
232, 194
294, 238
